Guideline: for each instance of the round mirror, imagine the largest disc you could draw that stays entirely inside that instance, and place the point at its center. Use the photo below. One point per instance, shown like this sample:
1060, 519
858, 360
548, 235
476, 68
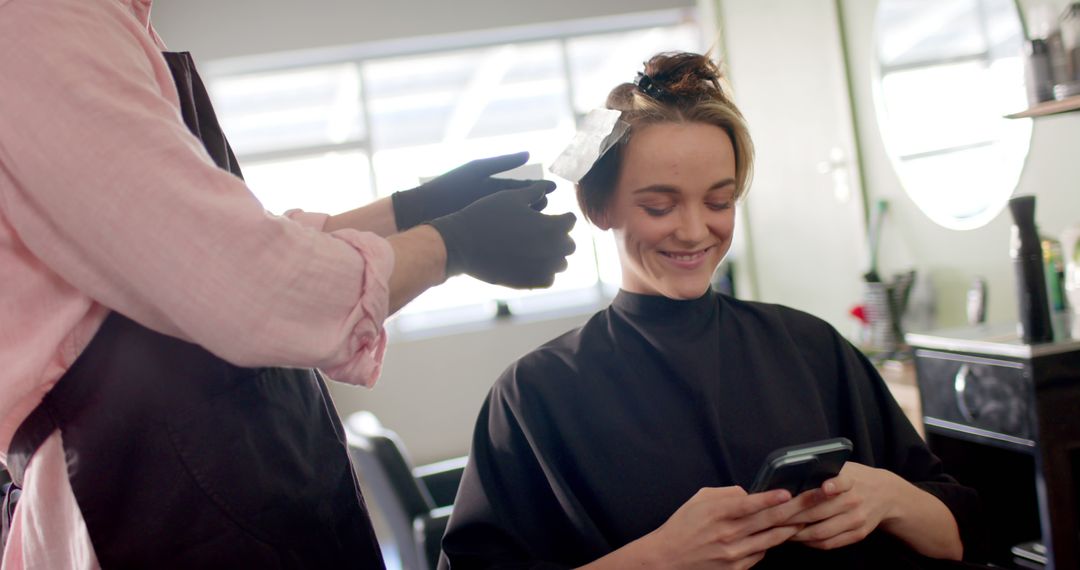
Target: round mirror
948, 71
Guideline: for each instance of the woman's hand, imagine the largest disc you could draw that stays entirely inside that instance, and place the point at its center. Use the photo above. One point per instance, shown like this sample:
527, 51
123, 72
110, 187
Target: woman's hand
725, 528
853, 504
847, 507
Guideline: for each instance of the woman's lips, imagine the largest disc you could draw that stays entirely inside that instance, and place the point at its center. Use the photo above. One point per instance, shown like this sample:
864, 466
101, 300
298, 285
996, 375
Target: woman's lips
686, 259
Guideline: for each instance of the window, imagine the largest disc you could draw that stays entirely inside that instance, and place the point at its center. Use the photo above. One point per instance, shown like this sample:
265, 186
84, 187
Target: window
332, 136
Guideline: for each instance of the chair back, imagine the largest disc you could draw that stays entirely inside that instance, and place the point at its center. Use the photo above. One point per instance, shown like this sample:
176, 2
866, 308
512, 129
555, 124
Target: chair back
387, 472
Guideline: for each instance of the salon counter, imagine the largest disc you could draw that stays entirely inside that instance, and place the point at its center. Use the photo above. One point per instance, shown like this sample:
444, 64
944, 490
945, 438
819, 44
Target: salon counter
899, 376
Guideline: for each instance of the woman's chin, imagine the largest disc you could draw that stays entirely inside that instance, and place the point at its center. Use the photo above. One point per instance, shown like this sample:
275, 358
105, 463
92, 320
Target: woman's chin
685, 291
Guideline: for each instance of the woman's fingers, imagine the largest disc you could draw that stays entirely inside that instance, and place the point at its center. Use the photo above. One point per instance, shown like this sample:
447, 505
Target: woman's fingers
767, 539
831, 527
833, 497
839, 484
819, 507
750, 561
737, 507
776, 515
842, 539
753, 545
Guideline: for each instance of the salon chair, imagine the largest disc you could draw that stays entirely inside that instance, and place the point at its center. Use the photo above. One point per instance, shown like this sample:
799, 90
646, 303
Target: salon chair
415, 503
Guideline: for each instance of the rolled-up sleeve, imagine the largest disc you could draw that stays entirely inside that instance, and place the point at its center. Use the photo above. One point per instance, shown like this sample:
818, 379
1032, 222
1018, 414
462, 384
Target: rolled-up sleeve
105, 185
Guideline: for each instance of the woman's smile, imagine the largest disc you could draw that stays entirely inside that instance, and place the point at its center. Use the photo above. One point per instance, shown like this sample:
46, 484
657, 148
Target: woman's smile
687, 259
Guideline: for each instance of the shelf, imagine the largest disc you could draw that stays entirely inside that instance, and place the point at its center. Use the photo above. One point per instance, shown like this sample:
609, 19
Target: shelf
1049, 108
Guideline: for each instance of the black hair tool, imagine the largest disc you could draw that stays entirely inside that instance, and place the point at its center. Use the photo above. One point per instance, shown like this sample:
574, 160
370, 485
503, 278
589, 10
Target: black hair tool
1026, 253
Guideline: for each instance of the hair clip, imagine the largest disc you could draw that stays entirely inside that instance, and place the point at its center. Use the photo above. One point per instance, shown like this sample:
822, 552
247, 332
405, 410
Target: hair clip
650, 87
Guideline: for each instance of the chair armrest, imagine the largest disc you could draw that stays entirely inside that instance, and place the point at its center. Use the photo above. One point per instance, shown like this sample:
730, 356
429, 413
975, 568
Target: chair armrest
442, 479
428, 530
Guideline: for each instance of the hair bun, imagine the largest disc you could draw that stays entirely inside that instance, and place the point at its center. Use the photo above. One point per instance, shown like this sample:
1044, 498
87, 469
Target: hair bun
678, 75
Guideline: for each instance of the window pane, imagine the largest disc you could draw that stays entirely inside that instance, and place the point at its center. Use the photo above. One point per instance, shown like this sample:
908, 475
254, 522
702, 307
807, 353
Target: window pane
599, 63
955, 112
329, 183
450, 97
288, 109
915, 31
966, 183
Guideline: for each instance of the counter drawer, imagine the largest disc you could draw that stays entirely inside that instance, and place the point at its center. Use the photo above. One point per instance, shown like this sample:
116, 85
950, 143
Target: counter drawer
989, 395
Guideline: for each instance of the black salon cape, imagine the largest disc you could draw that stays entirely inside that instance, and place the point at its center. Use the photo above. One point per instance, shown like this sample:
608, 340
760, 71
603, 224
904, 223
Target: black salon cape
596, 438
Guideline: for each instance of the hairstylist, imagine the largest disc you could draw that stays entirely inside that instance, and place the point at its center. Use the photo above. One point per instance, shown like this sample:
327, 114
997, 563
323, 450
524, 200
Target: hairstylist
159, 330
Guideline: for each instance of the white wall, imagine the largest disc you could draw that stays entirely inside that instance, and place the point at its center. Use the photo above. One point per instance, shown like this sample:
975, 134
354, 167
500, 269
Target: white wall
431, 390
952, 258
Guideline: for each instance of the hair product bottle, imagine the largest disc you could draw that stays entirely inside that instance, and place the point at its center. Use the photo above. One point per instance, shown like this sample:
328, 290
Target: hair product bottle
1040, 75
1027, 256
1070, 243
1070, 39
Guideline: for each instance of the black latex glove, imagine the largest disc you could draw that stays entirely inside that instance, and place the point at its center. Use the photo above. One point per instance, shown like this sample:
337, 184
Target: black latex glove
502, 239
456, 189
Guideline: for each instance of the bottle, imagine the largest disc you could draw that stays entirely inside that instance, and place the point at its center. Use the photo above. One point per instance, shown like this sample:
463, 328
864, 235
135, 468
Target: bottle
1070, 244
1054, 274
1027, 257
1070, 40
1040, 74
976, 302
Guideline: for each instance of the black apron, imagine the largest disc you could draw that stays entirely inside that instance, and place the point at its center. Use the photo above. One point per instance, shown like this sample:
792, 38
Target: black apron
179, 459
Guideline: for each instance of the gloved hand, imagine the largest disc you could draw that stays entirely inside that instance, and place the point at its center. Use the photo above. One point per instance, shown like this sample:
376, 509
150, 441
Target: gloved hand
503, 240
456, 189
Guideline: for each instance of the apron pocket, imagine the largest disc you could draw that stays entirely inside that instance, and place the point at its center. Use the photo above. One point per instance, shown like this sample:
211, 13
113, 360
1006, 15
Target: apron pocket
266, 453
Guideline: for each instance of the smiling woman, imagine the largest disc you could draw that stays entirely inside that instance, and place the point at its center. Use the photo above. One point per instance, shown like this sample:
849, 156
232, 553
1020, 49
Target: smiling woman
630, 441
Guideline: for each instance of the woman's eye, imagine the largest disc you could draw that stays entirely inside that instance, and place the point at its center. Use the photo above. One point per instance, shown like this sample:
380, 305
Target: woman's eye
718, 206
657, 212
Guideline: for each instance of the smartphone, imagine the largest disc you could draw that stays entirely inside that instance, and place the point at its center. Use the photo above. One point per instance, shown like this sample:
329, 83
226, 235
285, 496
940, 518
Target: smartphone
802, 467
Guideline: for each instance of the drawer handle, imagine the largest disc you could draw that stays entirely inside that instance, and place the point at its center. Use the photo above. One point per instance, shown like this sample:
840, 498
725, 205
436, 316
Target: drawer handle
959, 386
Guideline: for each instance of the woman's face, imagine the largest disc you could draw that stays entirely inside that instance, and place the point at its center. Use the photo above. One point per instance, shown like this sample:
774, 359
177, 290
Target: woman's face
673, 209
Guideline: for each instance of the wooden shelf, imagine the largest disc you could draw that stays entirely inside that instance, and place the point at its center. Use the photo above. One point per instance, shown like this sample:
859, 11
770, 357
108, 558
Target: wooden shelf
1049, 108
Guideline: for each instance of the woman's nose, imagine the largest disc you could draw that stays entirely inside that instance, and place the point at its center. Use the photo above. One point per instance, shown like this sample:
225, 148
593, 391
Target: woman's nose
692, 228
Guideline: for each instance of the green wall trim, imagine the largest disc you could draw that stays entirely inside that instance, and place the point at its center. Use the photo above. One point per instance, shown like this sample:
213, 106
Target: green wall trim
864, 187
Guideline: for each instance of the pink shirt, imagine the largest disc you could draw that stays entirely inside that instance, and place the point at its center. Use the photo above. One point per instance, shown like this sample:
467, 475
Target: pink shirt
108, 202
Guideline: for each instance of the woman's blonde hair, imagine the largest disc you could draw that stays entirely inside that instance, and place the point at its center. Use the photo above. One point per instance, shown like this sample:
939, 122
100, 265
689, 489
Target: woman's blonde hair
676, 87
